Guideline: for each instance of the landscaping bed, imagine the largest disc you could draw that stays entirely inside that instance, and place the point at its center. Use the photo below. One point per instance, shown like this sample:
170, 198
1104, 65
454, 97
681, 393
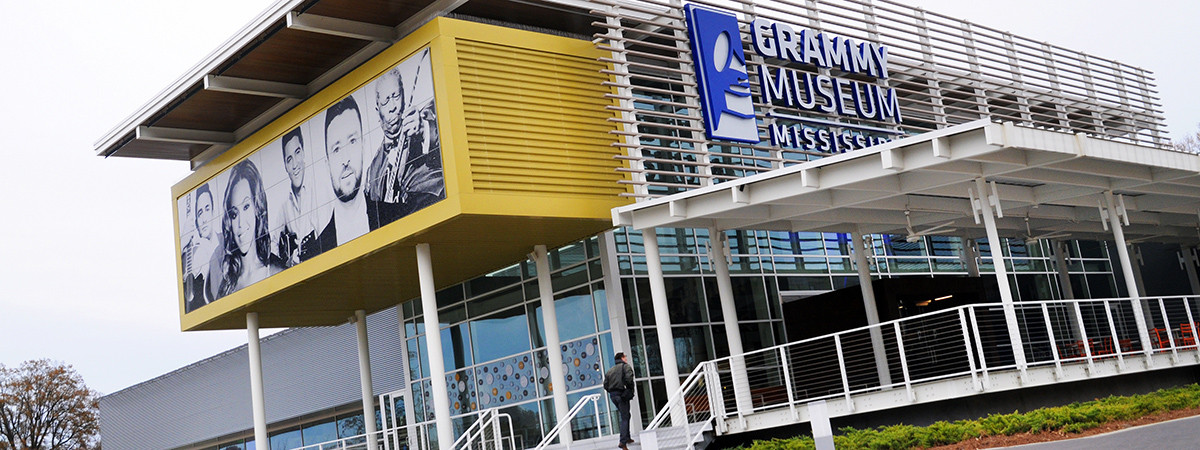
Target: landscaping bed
997, 430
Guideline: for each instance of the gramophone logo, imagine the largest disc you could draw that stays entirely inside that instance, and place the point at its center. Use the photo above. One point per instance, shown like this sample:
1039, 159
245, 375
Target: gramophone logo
721, 74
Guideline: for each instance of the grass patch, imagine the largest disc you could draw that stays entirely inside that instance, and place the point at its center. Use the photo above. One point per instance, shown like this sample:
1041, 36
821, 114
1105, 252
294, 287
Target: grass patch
1073, 418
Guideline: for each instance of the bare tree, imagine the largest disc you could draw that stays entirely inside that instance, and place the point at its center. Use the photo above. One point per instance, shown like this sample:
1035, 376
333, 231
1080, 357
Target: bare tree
44, 405
1189, 143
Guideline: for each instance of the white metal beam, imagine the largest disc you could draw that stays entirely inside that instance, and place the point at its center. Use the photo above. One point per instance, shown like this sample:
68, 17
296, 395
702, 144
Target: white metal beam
340, 27
183, 135
263, 88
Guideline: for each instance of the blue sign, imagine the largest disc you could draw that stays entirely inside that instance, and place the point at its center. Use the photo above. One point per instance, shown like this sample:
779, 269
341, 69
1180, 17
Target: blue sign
724, 85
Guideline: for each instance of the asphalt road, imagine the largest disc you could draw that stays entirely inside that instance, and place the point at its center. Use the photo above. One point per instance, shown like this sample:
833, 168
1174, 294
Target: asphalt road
1176, 434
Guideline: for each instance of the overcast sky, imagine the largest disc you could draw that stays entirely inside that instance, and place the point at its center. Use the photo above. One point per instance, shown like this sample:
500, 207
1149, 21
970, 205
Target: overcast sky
87, 253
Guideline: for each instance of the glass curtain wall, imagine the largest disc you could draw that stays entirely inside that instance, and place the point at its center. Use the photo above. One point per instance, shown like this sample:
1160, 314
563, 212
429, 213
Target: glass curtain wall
494, 344
767, 263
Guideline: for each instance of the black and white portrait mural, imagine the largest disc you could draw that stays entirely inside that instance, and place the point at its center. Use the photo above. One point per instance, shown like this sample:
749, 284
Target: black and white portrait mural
369, 159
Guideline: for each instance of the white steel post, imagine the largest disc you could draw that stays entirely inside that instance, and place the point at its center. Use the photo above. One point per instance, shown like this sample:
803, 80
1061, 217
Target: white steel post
1189, 263
1135, 258
1064, 283
364, 375
1006, 296
868, 298
662, 318
1064, 275
558, 379
718, 253
409, 415
1135, 297
433, 342
257, 400
616, 311
970, 256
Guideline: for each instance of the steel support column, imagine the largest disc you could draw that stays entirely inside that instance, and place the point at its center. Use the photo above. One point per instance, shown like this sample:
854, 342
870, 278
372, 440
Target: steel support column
1006, 296
863, 266
364, 375
1060, 265
662, 315
970, 256
1189, 263
1114, 221
257, 400
433, 342
718, 254
558, 379
1064, 283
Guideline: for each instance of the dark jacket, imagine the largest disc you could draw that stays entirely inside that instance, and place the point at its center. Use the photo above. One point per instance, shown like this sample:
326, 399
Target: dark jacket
619, 378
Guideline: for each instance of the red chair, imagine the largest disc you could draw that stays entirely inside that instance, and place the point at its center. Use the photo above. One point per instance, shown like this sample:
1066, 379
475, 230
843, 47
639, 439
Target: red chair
1159, 338
1186, 338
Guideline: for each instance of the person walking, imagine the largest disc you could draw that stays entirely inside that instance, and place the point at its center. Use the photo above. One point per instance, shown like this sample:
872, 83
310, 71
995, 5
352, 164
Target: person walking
618, 381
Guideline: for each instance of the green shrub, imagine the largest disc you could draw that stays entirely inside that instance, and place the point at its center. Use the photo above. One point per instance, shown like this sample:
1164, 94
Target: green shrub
1073, 418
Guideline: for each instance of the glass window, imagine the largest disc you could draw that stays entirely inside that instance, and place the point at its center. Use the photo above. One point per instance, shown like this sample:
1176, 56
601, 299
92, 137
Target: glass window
495, 301
504, 277
503, 333
286, 440
317, 433
750, 297
462, 392
686, 299
756, 336
567, 256
584, 366
837, 244
691, 347
449, 296
351, 426
576, 317
507, 381
456, 347
537, 332
569, 278
600, 298
1091, 249
527, 425
945, 245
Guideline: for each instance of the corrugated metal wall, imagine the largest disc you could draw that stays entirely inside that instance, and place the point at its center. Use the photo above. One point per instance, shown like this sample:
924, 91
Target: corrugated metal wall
305, 370
536, 121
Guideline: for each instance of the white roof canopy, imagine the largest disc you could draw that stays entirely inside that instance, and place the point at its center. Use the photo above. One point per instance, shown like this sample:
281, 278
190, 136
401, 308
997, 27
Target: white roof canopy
1050, 184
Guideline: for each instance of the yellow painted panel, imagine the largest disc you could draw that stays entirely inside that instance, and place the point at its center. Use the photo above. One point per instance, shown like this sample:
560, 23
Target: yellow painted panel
527, 156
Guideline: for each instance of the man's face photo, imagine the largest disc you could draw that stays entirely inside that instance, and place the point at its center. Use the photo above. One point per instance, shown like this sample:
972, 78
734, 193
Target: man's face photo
204, 211
389, 101
293, 161
343, 145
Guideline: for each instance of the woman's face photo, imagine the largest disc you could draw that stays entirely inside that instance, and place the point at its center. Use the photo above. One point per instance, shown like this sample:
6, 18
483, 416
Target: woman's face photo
242, 216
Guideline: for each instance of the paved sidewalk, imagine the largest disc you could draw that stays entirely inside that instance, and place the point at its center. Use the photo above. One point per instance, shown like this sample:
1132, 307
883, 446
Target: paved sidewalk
1175, 434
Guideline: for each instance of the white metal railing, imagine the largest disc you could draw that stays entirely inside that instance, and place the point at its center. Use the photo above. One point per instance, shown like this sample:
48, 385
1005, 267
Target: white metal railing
966, 341
487, 432
594, 400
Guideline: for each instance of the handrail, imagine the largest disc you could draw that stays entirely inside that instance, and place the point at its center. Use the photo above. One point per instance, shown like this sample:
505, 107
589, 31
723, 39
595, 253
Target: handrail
968, 340
359, 441
677, 397
565, 421
488, 417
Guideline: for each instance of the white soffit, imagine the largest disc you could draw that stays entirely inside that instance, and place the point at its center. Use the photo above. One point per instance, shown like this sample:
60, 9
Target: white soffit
1050, 184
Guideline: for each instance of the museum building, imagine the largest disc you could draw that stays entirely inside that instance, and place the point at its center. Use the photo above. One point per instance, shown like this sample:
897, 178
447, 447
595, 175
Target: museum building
822, 208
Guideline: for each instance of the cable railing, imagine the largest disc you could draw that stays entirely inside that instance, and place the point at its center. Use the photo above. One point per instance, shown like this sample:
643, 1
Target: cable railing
965, 341
595, 400
487, 432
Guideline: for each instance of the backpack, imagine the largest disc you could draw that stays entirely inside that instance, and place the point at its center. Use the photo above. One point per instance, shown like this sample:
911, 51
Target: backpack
614, 378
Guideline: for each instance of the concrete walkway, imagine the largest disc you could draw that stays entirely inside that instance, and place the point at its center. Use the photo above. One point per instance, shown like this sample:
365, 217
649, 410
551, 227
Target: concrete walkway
1175, 434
